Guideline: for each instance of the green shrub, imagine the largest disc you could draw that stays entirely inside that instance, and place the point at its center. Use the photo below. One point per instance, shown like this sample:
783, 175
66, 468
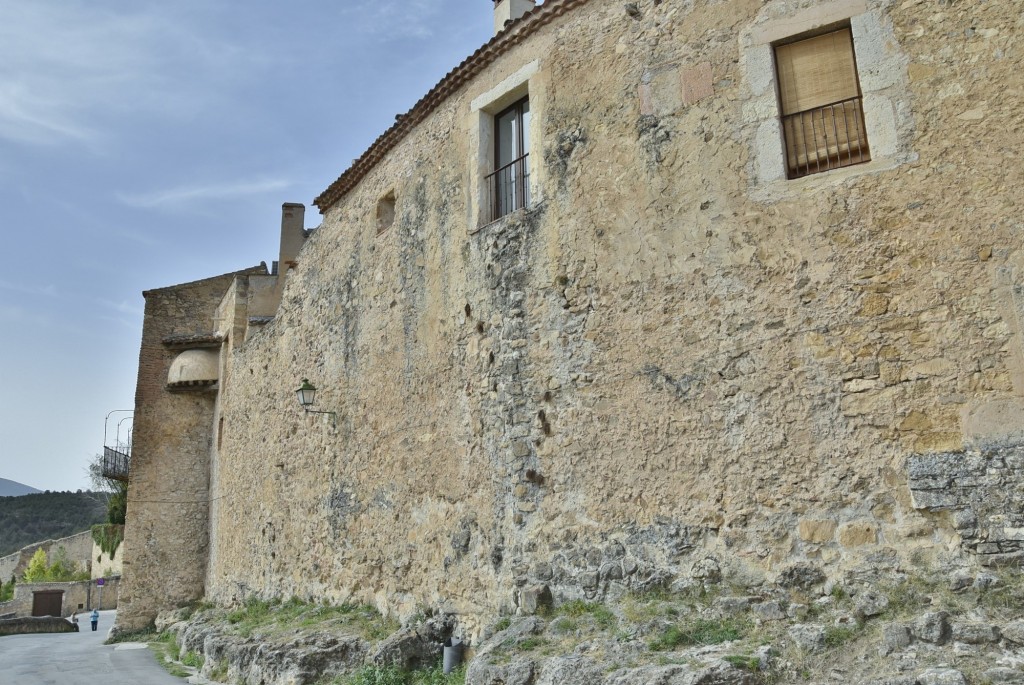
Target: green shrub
143, 635
502, 624
7, 590
564, 624
698, 632
531, 643
744, 662
192, 659
837, 636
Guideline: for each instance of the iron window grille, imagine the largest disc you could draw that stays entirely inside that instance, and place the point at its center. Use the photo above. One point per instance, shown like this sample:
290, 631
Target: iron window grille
508, 186
821, 104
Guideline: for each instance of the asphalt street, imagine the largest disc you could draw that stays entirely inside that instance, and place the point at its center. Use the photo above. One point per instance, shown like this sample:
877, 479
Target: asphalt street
59, 659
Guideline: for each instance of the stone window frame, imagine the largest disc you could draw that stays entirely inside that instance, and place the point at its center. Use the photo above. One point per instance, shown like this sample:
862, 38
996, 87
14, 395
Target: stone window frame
881, 68
519, 85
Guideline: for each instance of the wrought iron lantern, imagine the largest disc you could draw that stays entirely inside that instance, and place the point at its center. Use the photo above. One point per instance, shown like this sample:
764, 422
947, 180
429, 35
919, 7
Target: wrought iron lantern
306, 395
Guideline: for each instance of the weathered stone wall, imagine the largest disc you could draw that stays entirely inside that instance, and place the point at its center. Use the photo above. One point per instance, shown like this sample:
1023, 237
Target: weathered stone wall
78, 596
78, 548
980, 493
105, 565
661, 368
167, 537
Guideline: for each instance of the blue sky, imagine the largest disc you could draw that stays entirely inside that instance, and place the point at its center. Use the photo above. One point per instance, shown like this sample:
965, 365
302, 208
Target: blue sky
144, 144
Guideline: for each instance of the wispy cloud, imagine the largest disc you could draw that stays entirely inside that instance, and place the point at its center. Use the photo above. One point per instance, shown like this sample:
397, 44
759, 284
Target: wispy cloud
122, 307
49, 290
184, 197
394, 19
68, 65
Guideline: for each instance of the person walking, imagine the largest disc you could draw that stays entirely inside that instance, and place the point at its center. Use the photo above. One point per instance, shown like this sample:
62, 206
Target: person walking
74, 620
94, 618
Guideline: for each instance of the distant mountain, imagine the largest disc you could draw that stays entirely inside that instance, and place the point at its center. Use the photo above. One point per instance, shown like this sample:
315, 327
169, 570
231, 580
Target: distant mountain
44, 516
9, 488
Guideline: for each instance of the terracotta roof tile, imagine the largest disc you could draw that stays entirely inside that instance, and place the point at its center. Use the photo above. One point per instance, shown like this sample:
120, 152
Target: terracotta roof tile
510, 36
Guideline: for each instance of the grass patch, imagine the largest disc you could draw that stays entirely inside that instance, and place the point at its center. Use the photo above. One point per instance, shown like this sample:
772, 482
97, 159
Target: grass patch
837, 636
376, 675
531, 643
698, 632
502, 624
564, 624
258, 616
193, 659
599, 613
143, 635
744, 662
219, 672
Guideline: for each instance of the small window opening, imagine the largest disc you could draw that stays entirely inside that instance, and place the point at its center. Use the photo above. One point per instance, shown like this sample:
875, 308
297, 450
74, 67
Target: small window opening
385, 212
821, 104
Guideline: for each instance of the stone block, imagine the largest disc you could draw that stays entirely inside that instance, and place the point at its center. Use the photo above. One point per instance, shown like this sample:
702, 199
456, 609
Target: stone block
816, 530
535, 599
975, 633
858, 533
1002, 675
934, 499
1014, 631
941, 676
870, 603
697, 83
808, 638
769, 611
932, 627
895, 637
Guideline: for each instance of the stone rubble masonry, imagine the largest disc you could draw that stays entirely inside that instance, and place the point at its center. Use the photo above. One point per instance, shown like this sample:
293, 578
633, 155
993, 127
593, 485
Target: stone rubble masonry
981, 491
656, 374
78, 596
78, 547
165, 545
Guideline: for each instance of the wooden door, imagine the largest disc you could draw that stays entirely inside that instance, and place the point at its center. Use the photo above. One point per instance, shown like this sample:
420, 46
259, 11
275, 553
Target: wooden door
47, 603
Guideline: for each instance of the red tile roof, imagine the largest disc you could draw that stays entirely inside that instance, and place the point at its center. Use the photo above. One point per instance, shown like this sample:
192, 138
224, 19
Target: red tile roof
509, 37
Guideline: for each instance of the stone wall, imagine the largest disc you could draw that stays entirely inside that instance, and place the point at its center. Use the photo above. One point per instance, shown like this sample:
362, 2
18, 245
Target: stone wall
980, 494
104, 565
23, 626
166, 540
78, 548
667, 368
78, 596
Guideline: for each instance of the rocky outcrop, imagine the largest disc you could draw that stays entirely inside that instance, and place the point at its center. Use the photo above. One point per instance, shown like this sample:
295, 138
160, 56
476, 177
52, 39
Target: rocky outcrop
954, 627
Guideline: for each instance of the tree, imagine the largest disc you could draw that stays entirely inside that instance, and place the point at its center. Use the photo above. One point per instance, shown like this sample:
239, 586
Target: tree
7, 590
37, 571
113, 492
61, 568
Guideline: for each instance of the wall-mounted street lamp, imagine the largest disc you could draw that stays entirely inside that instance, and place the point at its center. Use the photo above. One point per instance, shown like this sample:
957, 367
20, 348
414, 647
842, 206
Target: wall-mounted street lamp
307, 395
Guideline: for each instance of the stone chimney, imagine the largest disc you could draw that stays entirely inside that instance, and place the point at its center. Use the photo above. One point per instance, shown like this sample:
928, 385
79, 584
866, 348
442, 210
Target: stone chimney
506, 11
293, 234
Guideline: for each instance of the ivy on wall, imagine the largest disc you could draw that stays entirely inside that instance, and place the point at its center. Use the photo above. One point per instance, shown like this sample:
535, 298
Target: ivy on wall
108, 536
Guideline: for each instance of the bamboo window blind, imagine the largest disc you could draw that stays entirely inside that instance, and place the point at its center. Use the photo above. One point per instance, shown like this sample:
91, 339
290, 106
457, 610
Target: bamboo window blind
820, 99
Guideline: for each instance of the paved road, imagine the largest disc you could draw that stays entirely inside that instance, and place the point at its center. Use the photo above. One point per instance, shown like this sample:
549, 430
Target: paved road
62, 658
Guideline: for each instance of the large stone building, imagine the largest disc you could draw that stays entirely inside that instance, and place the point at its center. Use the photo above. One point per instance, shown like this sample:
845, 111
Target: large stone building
637, 291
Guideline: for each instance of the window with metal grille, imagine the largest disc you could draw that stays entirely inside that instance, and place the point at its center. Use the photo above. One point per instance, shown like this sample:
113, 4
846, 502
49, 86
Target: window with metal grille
508, 186
821, 104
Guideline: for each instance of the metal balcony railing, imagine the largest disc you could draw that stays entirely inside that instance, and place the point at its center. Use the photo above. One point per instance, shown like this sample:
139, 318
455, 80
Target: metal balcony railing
508, 188
824, 138
116, 462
